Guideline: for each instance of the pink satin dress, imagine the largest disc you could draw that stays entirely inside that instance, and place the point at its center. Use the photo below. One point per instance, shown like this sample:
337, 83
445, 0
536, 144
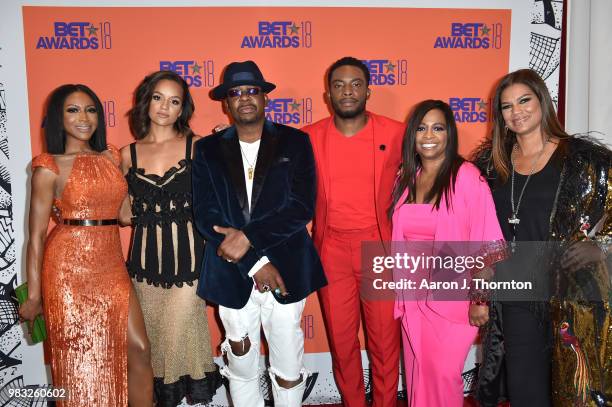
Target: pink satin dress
85, 285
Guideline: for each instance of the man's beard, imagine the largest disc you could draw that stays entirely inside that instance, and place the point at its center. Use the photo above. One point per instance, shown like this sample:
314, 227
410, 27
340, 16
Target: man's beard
348, 114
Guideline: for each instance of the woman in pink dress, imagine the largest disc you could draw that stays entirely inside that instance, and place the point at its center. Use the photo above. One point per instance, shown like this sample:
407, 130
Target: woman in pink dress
440, 197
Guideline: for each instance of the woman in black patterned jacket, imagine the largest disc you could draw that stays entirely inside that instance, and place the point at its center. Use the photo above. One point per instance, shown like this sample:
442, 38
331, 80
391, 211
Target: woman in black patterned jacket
549, 187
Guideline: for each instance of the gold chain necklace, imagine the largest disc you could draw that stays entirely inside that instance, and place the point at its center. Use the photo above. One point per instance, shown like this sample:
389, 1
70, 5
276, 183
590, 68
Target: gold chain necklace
251, 167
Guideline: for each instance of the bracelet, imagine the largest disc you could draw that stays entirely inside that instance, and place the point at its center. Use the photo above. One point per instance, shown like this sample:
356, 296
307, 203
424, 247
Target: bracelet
480, 296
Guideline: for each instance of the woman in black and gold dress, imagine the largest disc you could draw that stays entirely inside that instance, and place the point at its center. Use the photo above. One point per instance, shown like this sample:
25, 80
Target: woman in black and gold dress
166, 250
549, 187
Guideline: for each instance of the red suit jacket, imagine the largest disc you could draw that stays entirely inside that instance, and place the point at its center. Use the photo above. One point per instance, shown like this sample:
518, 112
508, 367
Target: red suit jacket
387, 146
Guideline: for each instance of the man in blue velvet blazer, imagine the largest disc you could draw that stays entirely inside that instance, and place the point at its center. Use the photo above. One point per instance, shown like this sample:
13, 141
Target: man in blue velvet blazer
254, 188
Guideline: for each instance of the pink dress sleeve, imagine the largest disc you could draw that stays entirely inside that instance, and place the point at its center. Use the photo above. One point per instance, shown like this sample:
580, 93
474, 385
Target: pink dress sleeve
397, 239
483, 222
397, 233
45, 160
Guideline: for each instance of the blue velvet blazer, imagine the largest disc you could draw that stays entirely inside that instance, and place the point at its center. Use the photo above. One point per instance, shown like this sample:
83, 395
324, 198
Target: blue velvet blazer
282, 204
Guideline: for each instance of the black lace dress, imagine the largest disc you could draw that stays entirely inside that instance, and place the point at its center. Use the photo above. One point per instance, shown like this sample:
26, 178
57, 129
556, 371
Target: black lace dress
165, 254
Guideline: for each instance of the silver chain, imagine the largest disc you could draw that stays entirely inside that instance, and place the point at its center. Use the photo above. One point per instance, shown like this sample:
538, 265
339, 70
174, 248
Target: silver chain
533, 166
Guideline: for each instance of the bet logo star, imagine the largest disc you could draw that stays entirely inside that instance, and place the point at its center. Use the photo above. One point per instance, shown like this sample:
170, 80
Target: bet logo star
196, 68
485, 30
295, 105
294, 29
390, 67
482, 105
92, 30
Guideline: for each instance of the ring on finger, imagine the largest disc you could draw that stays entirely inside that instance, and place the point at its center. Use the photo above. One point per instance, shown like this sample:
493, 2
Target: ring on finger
266, 288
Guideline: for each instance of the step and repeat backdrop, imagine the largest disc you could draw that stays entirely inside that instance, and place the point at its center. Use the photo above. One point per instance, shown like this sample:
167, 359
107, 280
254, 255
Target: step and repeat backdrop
413, 53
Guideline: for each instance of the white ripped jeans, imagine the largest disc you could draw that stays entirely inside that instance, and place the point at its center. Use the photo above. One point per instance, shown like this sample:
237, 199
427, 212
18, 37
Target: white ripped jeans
282, 327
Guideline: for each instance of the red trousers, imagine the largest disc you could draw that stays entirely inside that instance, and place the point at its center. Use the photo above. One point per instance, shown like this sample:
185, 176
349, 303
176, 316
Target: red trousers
342, 307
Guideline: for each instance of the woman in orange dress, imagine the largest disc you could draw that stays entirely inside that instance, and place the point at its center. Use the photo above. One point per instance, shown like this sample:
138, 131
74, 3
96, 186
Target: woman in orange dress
76, 275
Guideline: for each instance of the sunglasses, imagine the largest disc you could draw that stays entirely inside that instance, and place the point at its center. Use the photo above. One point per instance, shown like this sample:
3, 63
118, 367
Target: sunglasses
236, 93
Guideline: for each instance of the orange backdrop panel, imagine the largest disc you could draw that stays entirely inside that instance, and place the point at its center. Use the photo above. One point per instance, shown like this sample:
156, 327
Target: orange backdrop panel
413, 54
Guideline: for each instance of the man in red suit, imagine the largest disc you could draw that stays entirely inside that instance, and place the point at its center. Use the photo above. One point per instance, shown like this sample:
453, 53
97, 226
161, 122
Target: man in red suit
357, 155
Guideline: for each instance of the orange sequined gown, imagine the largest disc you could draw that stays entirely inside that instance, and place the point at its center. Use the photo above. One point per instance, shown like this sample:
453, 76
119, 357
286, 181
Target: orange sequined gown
85, 285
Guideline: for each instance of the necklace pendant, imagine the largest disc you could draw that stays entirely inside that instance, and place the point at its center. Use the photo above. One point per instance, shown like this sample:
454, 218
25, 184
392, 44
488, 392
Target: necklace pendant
513, 246
250, 172
514, 220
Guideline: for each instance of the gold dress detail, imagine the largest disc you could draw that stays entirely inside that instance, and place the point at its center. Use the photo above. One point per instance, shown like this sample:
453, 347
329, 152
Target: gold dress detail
164, 263
85, 285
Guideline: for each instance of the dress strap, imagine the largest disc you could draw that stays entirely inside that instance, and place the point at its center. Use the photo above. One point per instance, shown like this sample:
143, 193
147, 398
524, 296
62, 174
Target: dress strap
188, 147
133, 155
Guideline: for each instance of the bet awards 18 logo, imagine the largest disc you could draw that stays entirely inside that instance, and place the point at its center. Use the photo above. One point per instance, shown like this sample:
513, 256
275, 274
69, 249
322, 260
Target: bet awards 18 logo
77, 35
197, 74
290, 111
472, 36
387, 72
280, 34
470, 110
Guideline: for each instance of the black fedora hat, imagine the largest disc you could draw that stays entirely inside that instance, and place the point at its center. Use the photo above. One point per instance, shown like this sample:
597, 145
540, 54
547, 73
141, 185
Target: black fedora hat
238, 74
